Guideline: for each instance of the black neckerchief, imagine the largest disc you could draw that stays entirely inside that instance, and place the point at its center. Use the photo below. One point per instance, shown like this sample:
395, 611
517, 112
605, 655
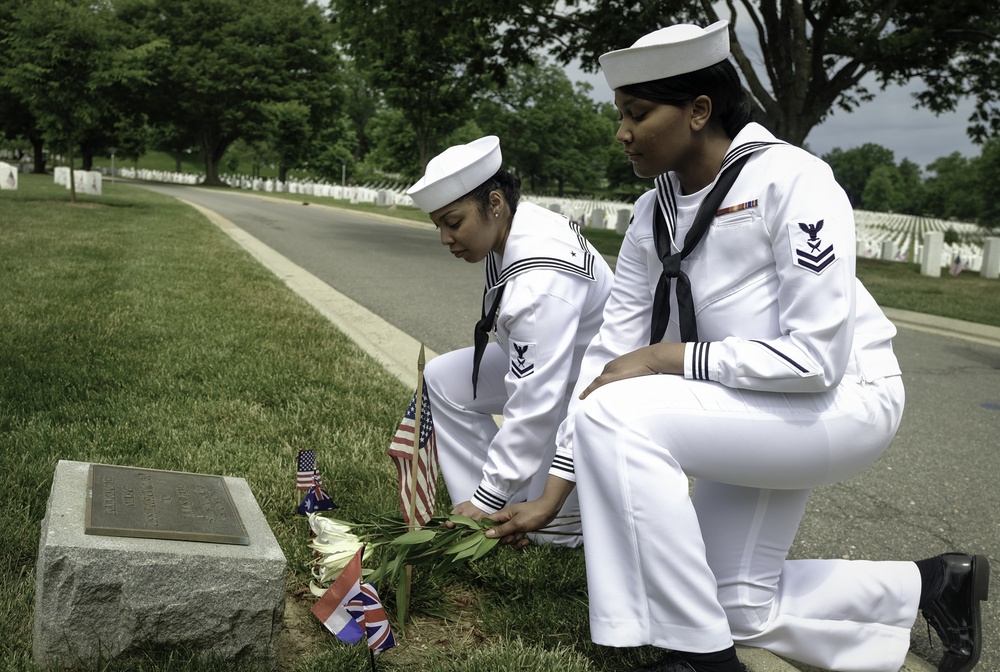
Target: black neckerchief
732, 165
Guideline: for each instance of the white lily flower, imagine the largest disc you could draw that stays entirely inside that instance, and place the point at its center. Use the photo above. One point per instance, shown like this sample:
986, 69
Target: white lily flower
317, 590
323, 525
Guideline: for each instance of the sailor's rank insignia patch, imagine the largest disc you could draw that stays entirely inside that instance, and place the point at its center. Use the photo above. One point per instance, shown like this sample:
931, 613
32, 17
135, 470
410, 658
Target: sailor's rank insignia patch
522, 359
808, 249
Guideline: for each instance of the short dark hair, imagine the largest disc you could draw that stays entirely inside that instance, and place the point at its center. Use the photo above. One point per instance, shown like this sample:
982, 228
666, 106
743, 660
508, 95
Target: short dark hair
731, 104
506, 183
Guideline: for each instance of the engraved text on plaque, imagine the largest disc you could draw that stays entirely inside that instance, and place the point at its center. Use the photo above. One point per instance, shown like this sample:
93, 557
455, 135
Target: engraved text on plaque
157, 504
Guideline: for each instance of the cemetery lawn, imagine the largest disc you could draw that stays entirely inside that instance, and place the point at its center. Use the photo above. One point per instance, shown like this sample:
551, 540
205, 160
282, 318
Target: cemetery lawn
136, 333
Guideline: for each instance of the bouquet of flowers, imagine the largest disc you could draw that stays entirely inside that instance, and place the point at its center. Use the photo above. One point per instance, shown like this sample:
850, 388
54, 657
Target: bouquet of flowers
435, 547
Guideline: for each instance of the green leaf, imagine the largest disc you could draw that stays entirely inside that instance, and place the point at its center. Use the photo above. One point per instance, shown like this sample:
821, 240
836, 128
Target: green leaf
459, 519
403, 600
485, 547
420, 536
471, 541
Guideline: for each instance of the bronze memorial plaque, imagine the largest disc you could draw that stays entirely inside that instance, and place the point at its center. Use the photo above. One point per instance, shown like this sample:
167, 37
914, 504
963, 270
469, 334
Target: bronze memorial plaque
157, 504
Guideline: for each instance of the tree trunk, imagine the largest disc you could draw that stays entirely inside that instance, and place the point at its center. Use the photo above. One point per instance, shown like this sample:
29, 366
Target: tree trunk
37, 143
214, 148
88, 159
282, 174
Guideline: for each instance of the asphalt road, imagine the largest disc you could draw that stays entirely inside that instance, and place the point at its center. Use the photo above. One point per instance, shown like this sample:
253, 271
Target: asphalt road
933, 491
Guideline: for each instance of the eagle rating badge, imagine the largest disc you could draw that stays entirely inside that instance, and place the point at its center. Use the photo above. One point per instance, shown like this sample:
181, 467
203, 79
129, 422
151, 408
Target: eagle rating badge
522, 359
808, 249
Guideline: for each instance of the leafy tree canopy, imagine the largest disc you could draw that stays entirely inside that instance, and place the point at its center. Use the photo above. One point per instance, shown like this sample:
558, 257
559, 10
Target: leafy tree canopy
853, 167
806, 57
67, 60
229, 62
430, 63
552, 133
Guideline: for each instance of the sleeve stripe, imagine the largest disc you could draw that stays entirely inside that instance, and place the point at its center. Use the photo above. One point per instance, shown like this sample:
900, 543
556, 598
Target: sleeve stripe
699, 361
563, 463
798, 367
489, 499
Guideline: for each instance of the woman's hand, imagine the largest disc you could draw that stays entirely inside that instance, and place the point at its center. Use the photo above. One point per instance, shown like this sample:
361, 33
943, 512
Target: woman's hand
652, 359
469, 510
517, 519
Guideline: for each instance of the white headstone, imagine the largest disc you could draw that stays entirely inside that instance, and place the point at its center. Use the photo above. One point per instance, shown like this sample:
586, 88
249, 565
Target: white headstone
88, 182
61, 175
8, 177
991, 259
930, 259
597, 219
621, 226
889, 250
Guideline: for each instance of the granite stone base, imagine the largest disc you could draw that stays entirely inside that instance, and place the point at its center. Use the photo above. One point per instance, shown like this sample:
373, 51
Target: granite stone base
103, 597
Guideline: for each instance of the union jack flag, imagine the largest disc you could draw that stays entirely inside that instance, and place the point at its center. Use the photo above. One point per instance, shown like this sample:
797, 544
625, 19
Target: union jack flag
366, 609
401, 450
352, 610
331, 609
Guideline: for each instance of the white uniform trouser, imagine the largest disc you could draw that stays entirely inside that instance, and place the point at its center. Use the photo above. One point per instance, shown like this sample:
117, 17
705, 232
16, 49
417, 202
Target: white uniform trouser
465, 429
696, 574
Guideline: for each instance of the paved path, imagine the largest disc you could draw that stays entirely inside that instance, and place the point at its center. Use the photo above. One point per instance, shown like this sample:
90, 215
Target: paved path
932, 492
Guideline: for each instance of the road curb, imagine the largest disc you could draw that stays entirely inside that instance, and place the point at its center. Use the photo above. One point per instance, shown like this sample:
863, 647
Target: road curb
969, 331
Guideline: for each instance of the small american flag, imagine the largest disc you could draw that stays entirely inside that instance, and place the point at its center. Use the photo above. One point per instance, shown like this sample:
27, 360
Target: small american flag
306, 470
401, 450
957, 266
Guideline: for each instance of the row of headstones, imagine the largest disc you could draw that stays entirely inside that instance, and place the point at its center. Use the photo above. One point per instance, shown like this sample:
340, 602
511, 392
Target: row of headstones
892, 249
354, 194
86, 181
159, 175
935, 255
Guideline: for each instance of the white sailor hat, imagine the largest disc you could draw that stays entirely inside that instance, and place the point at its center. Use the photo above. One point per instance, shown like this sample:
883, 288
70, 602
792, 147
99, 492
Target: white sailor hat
667, 52
455, 172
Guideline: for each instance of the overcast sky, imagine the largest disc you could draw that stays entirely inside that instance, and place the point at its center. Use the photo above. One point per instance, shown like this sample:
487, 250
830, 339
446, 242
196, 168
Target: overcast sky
888, 120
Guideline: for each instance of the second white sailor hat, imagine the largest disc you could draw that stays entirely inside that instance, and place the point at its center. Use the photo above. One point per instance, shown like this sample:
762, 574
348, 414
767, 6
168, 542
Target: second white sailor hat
455, 172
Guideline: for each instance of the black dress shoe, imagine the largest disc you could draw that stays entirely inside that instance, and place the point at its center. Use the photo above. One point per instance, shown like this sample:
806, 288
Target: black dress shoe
954, 613
672, 662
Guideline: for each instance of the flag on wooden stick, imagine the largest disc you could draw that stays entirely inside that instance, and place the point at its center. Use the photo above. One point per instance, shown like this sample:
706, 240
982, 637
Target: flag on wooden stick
417, 480
306, 469
316, 499
958, 265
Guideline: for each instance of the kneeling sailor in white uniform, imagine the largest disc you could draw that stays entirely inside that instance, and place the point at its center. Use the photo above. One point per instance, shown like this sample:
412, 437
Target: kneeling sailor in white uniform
738, 349
544, 297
